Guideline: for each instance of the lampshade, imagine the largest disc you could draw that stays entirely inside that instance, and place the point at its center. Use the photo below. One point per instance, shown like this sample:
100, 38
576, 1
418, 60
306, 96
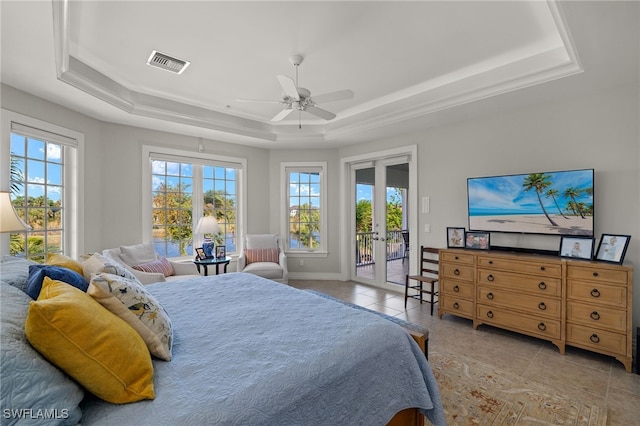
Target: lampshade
9, 219
207, 225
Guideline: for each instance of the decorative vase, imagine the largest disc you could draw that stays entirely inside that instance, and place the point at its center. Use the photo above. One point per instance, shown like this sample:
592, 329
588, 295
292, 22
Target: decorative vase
207, 246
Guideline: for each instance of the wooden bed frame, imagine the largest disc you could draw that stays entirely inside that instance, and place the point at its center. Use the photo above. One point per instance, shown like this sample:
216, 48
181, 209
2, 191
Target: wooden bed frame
410, 416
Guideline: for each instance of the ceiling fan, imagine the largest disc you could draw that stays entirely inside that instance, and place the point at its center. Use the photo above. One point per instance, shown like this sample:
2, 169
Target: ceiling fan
298, 98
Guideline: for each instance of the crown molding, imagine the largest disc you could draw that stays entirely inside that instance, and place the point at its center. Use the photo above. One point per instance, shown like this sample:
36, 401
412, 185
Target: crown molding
496, 76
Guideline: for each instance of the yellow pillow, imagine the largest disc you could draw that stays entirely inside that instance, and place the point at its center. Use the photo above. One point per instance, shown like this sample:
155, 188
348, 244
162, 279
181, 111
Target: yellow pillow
64, 261
92, 345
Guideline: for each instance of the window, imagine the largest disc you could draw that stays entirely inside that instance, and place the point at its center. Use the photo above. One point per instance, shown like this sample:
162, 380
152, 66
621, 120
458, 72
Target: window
43, 168
305, 216
185, 188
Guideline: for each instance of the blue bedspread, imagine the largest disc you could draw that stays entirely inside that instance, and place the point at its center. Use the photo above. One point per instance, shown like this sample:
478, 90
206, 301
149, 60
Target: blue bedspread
248, 351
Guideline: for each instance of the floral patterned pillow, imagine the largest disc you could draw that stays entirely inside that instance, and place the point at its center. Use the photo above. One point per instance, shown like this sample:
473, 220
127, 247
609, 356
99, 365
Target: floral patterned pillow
129, 300
98, 263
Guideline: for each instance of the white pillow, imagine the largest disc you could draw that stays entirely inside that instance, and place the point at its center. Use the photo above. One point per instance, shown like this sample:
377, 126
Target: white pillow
138, 254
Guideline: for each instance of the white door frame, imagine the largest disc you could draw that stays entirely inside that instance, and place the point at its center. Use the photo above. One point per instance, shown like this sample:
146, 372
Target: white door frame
347, 210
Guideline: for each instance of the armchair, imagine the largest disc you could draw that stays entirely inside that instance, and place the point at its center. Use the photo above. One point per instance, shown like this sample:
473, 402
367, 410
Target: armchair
263, 256
136, 256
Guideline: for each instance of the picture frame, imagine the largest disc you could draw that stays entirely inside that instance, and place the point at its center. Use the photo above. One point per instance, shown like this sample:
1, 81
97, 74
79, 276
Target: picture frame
612, 248
221, 252
200, 254
477, 240
576, 247
455, 237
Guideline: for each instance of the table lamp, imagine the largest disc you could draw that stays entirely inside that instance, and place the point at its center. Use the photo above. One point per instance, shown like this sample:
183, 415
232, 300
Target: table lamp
9, 219
207, 225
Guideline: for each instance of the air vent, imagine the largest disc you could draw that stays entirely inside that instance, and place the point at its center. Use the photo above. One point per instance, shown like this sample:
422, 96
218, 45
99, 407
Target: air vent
166, 62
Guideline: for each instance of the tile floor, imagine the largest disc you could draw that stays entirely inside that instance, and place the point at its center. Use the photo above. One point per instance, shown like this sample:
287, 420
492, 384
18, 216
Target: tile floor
590, 377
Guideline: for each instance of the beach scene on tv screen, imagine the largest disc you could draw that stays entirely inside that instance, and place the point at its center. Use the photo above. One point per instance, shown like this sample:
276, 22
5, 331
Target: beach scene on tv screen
557, 203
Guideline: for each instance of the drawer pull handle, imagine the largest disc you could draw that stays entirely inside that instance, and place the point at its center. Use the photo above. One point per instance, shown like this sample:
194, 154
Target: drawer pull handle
490, 296
490, 277
542, 268
456, 257
456, 305
595, 292
456, 272
542, 327
542, 285
456, 288
595, 274
490, 314
491, 262
594, 338
542, 306
595, 315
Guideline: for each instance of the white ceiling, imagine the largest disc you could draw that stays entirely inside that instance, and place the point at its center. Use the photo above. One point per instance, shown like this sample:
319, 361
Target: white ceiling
410, 64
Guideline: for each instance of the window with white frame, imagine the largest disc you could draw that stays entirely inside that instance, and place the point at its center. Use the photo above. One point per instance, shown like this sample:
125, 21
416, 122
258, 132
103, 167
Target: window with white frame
184, 188
44, 187
304, 220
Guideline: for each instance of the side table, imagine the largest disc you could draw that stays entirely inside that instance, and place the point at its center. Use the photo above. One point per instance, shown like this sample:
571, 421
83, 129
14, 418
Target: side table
216, 261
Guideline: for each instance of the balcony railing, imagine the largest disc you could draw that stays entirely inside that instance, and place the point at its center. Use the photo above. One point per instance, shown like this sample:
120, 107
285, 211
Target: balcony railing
364, 246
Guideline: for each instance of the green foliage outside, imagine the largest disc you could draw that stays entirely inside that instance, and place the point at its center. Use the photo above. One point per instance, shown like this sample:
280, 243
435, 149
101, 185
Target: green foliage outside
364, 213
172, 214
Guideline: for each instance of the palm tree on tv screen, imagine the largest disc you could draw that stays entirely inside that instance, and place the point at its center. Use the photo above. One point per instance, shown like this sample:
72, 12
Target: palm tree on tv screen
573, 193
539, 182
553, 193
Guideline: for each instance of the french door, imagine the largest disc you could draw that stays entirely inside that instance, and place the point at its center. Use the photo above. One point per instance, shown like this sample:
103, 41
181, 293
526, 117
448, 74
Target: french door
380, 218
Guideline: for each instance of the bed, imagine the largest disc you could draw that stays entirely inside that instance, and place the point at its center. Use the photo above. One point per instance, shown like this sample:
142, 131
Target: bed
249, 351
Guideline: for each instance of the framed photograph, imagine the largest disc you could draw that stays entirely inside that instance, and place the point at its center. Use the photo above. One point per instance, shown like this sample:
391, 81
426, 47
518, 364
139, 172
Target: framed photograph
612, 248
200, 254
455, 237
577, 247
221, 251
476, 240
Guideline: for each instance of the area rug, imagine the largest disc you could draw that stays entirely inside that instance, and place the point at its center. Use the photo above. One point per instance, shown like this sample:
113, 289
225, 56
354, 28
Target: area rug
475, 393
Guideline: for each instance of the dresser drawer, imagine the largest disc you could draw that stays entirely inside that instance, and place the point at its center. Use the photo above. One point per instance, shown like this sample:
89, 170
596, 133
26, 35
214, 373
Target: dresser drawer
456, 306
456, 288
456, 257
597, 316
544, 306
516, 321
596, 274
458, 272
539, 268
515, 281
600, 340
598, 293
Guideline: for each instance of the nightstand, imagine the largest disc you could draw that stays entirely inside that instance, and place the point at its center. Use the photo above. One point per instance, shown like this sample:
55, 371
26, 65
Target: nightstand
215, 262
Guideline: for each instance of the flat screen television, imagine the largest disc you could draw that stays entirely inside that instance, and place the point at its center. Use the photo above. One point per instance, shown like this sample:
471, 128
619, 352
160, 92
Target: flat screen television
553, 203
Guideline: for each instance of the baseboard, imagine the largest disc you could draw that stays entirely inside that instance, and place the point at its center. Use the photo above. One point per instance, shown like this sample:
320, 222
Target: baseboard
317, 276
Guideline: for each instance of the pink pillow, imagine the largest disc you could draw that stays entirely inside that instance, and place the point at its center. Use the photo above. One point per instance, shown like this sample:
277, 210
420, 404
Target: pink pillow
262, 255
161, 265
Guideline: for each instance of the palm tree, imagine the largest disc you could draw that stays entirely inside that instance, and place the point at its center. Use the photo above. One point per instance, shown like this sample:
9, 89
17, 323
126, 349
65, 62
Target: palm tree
553, 193
573, 193
539, 182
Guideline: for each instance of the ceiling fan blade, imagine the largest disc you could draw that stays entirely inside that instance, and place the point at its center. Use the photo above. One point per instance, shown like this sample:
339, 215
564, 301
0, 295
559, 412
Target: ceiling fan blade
333, 96
289, 87
319, 112
264, 101
282, 114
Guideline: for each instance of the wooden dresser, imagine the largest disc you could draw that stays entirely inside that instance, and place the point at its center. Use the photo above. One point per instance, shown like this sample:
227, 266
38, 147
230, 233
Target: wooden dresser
578, 303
